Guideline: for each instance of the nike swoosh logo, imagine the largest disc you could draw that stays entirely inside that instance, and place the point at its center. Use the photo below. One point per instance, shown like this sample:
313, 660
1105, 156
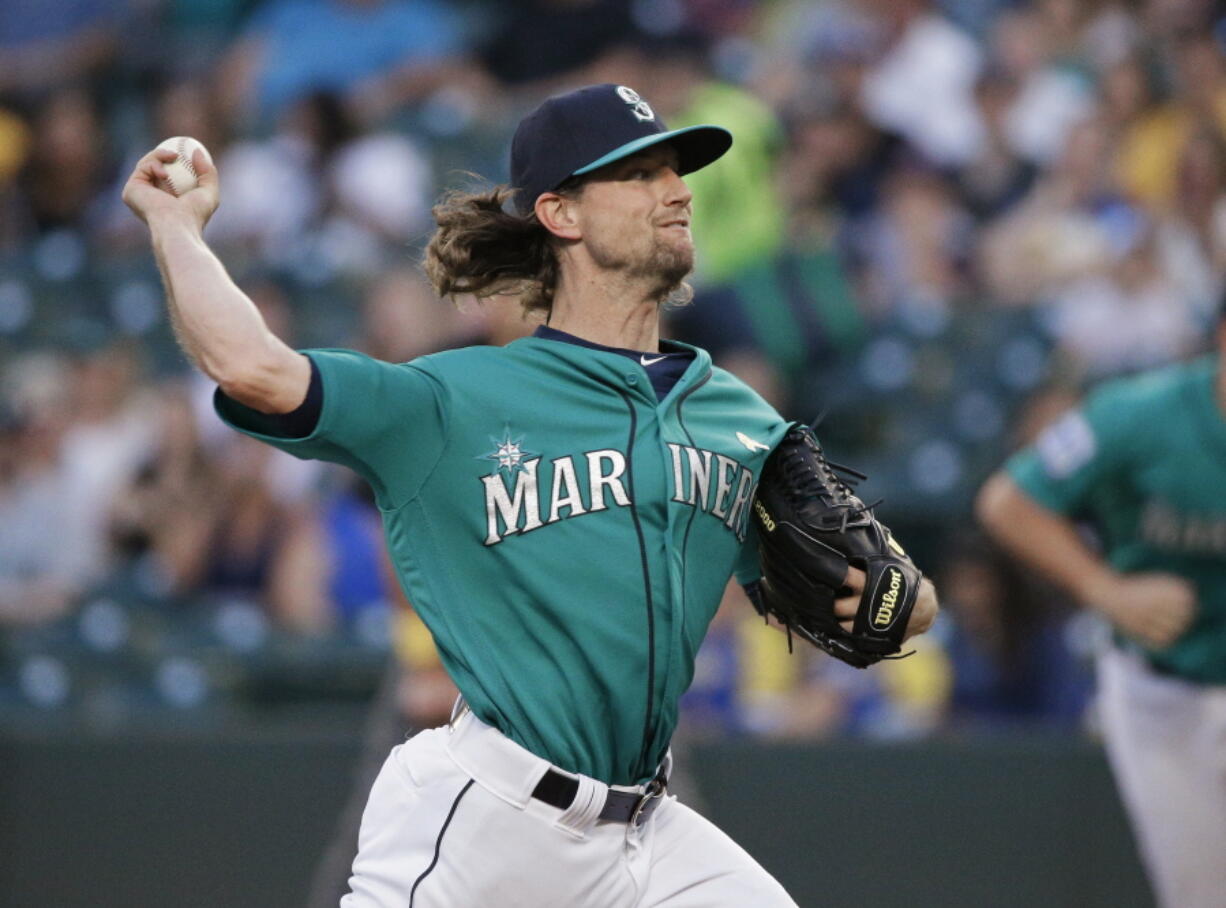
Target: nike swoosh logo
651, 362
750, 443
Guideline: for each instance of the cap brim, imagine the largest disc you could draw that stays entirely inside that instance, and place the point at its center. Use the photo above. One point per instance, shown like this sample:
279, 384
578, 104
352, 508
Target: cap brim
697, 146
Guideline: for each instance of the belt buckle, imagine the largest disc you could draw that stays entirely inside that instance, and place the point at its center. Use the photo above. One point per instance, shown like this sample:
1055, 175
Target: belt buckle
655, 789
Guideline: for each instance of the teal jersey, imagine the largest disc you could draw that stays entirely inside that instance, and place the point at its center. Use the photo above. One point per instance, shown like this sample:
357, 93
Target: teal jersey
1145, 460
565, 536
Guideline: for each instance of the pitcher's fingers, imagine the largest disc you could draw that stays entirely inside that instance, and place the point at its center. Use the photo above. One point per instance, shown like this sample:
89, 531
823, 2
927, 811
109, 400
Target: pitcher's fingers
845, 610
201, 163
149, 170
855, 578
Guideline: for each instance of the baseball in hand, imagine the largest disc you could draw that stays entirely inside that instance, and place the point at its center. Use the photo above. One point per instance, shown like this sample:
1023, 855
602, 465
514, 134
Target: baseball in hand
180, 174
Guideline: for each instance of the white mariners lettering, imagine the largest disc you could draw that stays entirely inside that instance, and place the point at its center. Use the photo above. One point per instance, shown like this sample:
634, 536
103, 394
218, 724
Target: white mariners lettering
695, 489
675, 450
516, 498
700, 477
514, 503
739, 513
599, 480
511, 507
641, 109
564, 476
1169, 528
724, 471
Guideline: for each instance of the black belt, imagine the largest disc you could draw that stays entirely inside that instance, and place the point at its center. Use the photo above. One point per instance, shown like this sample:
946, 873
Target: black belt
559, 790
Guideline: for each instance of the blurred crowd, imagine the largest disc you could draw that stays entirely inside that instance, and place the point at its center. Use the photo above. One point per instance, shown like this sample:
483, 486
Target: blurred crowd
939, 221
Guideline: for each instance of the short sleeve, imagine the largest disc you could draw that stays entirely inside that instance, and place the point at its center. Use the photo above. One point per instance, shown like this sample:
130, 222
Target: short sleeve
385, 421
1078, 454
748, 567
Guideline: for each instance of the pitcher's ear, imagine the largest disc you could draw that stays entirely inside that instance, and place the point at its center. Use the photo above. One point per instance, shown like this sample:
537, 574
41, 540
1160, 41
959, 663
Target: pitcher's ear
559, 215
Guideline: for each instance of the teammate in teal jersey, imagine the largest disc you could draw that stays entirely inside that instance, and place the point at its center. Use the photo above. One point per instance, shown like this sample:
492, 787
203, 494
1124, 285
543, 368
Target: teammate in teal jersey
1144, 459
564, 514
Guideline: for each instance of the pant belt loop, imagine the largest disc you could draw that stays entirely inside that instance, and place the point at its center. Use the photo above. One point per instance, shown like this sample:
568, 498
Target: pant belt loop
585, 809
458, 709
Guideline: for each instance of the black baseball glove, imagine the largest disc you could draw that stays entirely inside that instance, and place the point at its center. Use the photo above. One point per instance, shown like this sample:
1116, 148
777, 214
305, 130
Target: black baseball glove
811, 526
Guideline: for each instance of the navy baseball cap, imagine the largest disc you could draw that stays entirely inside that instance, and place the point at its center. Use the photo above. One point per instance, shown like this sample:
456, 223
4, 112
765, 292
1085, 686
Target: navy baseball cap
576, 133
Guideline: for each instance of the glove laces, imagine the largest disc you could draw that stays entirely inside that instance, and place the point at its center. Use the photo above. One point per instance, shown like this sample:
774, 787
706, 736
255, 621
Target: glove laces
830, 482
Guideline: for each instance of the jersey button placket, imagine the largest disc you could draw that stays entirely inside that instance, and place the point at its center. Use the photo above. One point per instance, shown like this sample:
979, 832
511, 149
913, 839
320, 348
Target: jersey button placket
631, 378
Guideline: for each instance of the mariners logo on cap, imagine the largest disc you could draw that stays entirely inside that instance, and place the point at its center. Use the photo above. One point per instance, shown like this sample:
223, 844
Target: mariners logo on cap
641, 109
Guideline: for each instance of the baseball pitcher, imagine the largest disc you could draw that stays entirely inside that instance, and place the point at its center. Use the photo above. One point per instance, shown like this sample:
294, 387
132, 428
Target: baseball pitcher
563, 512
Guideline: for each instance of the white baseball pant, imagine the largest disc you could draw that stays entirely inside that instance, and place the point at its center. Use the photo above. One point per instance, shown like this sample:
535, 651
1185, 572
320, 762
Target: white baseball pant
451, 822
1166, 742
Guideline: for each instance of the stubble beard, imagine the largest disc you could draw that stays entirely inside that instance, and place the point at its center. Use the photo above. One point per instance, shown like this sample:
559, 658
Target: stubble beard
663, 267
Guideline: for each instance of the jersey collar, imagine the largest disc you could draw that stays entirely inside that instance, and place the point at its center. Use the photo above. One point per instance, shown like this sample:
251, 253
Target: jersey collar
610, 363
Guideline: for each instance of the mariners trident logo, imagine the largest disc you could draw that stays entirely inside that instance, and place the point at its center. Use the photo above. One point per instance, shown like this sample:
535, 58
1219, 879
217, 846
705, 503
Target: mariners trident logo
641, 109
508, 453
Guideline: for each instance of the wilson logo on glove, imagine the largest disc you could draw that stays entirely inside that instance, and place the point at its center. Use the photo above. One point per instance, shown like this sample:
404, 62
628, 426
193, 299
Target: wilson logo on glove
887, 604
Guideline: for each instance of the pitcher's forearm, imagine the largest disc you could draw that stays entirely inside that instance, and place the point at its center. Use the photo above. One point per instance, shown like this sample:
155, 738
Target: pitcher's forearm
217, 325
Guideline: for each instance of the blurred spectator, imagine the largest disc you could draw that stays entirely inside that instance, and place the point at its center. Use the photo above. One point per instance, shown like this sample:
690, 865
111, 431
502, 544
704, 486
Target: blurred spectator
77, 431
115, 420
194, 34
244, 552
15, 143
1150, 149
274, 194
161, 515
374, 54
1076, 244
996, 177
208, 523
331, 572
1050, 96
43, 566
1063, 229
48, 45
1129, 317
321, 196
922, 86
72, 165
549, 41
403, 319
916, 250
1126, 92
382, 184
1191, 235
1007, 644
